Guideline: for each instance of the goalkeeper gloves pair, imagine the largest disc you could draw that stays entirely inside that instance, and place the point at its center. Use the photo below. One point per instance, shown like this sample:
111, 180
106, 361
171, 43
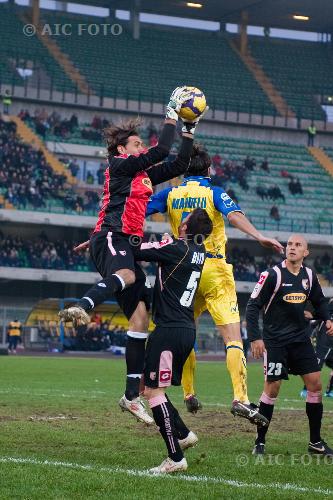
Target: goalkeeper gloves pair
178, 97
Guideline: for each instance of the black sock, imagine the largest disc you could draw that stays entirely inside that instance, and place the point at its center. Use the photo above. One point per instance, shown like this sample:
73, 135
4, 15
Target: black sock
163, 416
103, 290
314, 412
135, 358
330, 383
267, 411
181, 429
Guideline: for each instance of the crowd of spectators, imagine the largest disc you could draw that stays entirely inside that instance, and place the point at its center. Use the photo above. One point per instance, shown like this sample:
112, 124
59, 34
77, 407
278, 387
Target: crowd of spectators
98, 335
27, 181
53, 124
41, 253
25, 176
246, 267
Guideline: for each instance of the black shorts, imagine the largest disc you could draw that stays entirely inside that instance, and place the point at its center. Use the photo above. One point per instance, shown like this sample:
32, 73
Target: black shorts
167, 350
113, 251
298, 358
140, 291
325, 356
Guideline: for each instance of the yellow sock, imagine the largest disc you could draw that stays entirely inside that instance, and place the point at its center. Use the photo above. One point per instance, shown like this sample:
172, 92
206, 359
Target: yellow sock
188, 375
236, 364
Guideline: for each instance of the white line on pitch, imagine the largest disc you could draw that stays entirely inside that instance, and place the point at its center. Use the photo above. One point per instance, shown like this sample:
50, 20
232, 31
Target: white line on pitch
180, 477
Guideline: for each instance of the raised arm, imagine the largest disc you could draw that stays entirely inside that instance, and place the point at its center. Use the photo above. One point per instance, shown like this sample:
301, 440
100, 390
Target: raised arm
137, 163
158, 251
168, 170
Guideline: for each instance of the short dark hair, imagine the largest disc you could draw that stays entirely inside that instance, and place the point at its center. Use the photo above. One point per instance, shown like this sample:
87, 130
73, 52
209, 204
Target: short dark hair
200, 161
117, 135
199, 226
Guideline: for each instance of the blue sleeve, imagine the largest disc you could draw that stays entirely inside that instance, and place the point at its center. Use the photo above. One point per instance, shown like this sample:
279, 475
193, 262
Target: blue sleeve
158, 202
223, 203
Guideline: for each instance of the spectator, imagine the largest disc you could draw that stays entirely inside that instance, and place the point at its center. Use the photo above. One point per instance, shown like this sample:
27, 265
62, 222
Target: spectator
90, 178
74, 167
264, 166
217, 160
100, 174
6, 101
285, 174
274, 213
262, 192
312, 132
14, 335
249, 163
274, 192
295, 186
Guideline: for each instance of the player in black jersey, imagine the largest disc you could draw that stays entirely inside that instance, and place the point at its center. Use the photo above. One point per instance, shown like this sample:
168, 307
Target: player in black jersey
285, 344
129, 179
180, 263
323, 345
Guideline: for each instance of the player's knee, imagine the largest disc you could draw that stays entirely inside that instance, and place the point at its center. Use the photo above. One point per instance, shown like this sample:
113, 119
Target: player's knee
127, 275
314, 386
314, 396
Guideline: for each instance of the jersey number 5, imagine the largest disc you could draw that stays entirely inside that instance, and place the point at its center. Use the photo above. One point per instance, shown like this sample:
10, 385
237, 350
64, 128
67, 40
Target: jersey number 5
192, 285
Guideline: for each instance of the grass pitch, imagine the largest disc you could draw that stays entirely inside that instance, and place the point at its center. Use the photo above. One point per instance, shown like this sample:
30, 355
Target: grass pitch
63, 436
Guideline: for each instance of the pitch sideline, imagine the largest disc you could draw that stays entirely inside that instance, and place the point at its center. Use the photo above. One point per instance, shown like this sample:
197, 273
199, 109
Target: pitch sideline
181, 477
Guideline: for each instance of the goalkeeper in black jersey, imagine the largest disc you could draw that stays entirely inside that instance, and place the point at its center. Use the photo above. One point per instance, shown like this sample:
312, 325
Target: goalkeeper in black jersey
180, 264
285, 344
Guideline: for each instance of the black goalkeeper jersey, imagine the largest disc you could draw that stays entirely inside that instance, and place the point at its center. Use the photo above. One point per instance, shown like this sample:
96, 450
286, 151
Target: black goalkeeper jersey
283, 297
178, 274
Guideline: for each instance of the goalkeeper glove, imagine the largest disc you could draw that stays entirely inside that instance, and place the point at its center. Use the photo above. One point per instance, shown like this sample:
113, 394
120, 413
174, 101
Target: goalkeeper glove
190, 126
177, 99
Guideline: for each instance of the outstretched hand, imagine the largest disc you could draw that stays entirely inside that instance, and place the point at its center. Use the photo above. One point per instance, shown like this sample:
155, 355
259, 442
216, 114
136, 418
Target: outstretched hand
271, 243
82, 246
177, 99
190, 125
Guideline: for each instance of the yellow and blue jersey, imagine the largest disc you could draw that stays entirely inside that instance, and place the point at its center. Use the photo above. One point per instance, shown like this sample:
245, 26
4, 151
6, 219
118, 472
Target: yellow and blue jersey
196, 192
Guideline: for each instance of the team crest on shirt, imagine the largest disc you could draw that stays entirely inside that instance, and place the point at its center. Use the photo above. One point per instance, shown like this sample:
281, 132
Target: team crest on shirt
122, 252
147, 182
305, 284
152, 375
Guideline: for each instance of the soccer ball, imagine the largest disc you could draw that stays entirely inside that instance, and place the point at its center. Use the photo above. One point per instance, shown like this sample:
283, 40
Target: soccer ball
195, 106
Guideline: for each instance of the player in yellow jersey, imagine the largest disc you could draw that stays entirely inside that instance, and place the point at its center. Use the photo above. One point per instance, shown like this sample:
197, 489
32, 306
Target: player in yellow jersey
217, 290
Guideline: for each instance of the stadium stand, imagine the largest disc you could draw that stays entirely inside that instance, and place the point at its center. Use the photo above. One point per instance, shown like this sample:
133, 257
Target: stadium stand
302, 71
119, 68
22, 53
257, 190
28, 182
314, 205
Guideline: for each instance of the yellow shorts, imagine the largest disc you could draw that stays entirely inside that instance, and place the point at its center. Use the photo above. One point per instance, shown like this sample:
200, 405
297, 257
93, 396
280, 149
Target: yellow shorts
217, 292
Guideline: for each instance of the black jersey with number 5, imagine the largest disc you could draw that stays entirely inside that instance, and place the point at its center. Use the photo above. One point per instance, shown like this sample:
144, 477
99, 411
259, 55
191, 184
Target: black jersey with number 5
179, 270
283, 297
